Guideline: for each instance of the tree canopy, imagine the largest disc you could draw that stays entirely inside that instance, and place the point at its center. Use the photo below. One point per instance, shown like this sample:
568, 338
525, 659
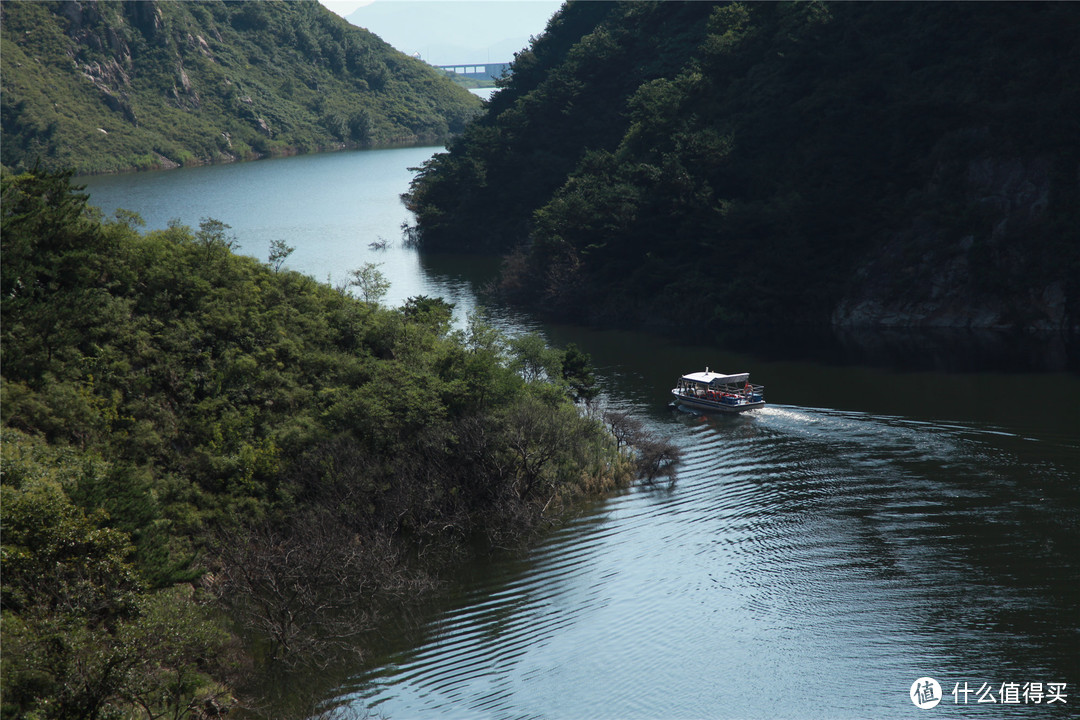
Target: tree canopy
711, 164
186, 430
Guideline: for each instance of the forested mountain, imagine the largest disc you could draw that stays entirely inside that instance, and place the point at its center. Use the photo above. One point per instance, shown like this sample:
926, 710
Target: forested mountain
188, 432
104, 85
710, 164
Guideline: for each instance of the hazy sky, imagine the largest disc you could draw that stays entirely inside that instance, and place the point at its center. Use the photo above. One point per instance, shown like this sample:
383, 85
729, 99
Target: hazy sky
344, 7
451, 31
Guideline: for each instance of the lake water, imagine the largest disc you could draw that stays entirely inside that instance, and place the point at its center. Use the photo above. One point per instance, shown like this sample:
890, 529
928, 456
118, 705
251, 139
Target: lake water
906, 506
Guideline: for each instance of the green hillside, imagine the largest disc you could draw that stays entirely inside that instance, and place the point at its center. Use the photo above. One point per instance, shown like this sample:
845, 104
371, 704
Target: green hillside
711, 164
109, 85
213, 467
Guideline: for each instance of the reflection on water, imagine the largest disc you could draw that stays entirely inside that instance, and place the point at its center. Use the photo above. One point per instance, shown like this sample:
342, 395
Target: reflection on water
928, 349
945, 350
908, 506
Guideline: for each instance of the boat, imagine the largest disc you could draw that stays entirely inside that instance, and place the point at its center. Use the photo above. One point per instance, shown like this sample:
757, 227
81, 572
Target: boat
718, 392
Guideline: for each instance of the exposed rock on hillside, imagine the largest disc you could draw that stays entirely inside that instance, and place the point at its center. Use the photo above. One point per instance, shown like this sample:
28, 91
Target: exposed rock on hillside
926, 276
103, 85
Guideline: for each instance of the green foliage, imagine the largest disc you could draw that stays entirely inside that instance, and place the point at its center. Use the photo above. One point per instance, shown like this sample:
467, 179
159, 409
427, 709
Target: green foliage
173, 663
279, 251
82, 636
564, 97
190, 404
56, 557
116, 86
577, 372
533, 359
722, 163
213, 238
370, 282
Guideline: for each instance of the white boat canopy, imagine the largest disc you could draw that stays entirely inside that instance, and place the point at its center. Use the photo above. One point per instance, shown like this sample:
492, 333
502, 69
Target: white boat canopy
711, 378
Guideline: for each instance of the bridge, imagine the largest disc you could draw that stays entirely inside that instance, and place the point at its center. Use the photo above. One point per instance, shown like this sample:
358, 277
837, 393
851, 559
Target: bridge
481, 71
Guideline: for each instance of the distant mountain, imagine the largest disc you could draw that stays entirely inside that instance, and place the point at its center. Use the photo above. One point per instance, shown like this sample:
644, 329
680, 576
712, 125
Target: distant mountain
459, 32
714, 164
108, 85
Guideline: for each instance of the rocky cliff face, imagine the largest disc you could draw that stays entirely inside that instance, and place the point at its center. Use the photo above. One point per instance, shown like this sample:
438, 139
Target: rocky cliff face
100, 46
975, 272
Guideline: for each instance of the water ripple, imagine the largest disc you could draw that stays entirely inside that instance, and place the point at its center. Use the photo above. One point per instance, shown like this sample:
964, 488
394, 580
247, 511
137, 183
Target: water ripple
799, 547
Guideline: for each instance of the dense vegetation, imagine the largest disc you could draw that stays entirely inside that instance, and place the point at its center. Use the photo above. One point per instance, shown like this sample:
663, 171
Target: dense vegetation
109, 85
712, 164
190, 435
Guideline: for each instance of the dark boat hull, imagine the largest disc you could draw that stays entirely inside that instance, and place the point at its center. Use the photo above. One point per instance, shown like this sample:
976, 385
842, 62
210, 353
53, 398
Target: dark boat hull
740, 405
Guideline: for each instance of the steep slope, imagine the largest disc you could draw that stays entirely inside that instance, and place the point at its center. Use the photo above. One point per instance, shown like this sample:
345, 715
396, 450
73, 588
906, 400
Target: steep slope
107, 85
718, 164
567, 93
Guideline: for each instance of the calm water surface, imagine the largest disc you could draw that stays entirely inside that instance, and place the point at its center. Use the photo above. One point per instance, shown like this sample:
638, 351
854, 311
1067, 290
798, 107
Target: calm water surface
877, 523
329, 207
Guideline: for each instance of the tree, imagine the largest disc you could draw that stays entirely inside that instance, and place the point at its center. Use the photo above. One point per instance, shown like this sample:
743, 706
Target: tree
279, 250
578, 373
624, 427
370, 281
536, 436
214, 238
52, 255
306, 586
534, 360
178, 645
654, 456
435, 312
